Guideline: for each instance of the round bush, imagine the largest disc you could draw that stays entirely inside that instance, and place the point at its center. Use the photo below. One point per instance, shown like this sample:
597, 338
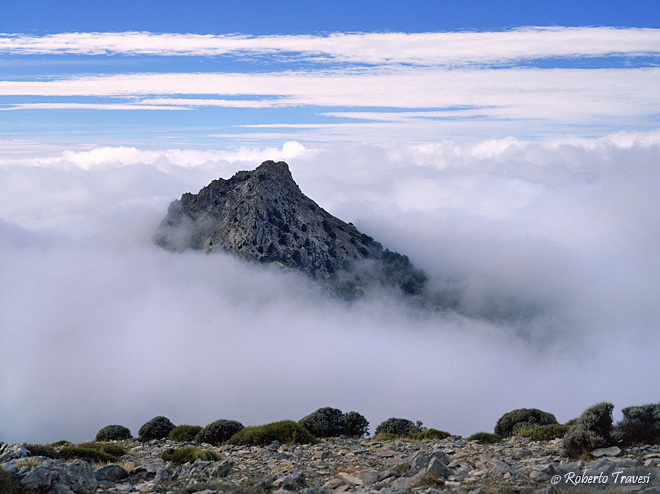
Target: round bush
640, 425
184, 433
354, 424
218, 432
523, 418
400, 427
157, 428
113, 433
324, 422
592, 430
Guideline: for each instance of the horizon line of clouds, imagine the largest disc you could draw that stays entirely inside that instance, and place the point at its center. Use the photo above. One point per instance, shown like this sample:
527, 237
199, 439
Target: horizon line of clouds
102, 156
389, 48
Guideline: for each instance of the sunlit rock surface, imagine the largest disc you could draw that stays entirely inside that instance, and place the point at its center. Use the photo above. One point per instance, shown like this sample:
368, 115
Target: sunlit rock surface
262, 216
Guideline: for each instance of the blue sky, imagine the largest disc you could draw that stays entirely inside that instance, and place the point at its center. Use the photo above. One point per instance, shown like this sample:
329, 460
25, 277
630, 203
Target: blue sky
86, 74
316, 16
510, 149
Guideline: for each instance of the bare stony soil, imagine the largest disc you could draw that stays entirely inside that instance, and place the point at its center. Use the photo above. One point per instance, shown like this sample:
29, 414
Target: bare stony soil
515, 465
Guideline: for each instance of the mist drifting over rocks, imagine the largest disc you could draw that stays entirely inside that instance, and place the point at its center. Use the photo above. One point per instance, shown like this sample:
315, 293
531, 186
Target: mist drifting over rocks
261, 216
552, 246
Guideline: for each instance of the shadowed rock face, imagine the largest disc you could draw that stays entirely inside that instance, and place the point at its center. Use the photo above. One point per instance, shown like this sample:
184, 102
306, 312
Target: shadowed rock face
262, 216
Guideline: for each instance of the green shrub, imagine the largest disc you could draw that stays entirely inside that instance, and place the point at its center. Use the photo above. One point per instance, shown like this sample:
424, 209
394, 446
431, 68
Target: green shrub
430, 434
184, 433
157, 428
41, 450
285, 431
354, 424
400, 427
324, 422
485, 437
112, 449
190, 454
331, 422
8, 485
512, 422
113, 433
218, 432
385, 436
592, 430
62, 443
545, 432
640, 425
86, 454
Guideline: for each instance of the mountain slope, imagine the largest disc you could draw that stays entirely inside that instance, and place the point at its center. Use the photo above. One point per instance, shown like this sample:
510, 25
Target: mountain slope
262, 216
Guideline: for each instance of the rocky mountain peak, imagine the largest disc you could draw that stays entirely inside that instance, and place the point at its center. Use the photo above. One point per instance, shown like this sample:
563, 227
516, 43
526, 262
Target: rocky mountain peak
262, 216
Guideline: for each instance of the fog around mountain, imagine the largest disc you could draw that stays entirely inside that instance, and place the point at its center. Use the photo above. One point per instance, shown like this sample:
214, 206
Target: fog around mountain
550, 246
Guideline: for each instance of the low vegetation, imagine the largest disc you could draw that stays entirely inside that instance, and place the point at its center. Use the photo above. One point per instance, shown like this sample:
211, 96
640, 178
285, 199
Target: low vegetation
190, 454
8, 485
184, 433
485, 437
430, 434
100, 452
46, 450
285, 431
591, 430
86, 454
545, 432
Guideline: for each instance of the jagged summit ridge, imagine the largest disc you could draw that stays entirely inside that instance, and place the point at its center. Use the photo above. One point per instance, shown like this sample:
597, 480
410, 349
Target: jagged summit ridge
262, 216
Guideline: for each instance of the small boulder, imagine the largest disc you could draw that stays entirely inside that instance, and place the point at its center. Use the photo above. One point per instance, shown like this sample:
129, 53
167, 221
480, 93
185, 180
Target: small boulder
112, 473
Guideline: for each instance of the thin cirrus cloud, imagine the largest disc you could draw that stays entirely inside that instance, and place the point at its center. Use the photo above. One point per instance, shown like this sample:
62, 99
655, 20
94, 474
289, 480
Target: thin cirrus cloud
364, 87
624, 89
440, 48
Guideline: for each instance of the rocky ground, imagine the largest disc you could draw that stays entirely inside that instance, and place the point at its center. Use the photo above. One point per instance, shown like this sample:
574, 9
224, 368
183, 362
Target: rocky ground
515, 465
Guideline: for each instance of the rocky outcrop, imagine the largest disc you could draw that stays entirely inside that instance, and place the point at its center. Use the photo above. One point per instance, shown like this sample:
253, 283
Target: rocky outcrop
262, 216
10, 451
46, 476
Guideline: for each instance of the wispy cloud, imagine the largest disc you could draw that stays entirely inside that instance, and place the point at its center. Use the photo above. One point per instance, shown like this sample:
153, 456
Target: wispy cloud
562, 95
456, 48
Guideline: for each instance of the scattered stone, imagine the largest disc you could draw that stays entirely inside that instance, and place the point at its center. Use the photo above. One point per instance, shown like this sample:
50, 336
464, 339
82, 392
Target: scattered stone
613, 451
358, 466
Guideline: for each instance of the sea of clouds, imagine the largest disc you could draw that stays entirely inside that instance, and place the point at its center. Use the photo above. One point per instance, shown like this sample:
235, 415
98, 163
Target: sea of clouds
550, 246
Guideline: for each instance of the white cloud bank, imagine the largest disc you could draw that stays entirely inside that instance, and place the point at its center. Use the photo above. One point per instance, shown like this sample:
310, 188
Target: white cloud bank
443, 48
551, 244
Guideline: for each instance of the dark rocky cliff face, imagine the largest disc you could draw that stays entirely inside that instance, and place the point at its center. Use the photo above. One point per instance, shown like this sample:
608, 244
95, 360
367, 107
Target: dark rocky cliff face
262, 216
